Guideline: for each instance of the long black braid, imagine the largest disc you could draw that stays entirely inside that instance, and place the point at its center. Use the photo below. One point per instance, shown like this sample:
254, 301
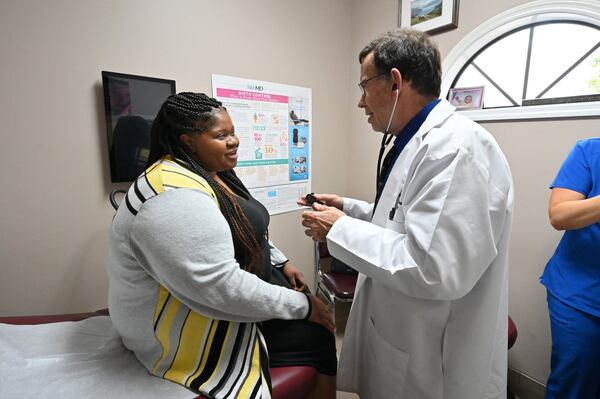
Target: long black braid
193, 112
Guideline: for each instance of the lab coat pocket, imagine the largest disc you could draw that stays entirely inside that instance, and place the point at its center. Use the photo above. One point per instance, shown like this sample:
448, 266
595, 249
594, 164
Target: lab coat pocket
397, 221
386, 367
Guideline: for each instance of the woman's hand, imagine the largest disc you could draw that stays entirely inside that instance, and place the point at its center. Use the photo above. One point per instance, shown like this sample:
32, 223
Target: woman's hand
333, 200
320, 314
294, 276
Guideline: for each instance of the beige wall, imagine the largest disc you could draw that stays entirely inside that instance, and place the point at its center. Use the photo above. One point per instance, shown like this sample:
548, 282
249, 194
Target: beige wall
54, 210
535, 150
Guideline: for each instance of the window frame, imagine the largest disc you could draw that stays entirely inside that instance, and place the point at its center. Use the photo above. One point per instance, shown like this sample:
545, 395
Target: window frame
503, 24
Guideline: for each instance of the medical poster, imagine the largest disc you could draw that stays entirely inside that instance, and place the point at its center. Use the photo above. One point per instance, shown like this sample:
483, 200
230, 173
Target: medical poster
273, 123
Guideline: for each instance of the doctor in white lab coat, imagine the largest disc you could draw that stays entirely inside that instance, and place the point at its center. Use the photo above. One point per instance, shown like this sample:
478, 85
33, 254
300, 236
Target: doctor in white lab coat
429, 318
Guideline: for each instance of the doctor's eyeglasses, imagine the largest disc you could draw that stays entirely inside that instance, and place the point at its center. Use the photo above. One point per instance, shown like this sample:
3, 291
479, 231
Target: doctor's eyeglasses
363, 83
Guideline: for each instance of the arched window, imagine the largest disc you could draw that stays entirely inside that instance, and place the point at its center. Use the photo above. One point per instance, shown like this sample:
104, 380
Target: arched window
538, 60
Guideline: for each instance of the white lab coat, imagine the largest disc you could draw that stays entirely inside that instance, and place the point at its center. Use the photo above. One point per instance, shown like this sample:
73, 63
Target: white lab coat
429, 318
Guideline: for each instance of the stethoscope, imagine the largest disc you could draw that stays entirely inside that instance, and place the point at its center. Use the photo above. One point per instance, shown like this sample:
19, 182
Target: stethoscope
385, 141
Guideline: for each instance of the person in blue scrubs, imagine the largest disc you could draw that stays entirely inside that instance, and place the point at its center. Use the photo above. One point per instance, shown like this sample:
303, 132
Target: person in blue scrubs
572, 276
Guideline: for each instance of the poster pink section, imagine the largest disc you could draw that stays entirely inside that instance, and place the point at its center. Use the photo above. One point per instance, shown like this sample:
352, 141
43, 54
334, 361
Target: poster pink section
251, 95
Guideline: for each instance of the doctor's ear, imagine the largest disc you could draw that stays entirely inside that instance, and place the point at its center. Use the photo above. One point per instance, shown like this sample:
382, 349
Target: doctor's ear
397, 78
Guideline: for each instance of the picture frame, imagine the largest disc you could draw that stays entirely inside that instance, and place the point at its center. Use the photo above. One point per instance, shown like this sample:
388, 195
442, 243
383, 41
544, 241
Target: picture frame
464, 98
431, 16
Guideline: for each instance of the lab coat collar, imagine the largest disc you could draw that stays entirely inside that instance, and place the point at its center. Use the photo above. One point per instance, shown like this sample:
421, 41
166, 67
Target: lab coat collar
436, 117
393, 187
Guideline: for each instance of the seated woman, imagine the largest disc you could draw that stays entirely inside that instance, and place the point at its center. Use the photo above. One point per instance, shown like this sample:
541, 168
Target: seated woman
193, 275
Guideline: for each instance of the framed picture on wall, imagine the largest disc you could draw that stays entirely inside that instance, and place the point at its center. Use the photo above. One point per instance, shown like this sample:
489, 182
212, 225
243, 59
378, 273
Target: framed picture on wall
431, 16
466, 97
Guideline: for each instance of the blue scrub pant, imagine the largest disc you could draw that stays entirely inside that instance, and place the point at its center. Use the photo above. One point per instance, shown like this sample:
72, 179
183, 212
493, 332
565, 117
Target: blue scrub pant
575, 359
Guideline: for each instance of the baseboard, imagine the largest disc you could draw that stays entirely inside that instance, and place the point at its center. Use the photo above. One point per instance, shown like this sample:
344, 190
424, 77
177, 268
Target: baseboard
523, 386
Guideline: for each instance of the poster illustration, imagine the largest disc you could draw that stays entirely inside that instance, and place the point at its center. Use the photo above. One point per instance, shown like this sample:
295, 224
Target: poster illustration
273, 123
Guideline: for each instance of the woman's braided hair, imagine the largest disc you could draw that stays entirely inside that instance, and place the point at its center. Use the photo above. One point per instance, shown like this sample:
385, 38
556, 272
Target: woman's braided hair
193, 113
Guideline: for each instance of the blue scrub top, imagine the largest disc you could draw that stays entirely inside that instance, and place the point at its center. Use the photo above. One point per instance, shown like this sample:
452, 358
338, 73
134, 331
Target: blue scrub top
573, 272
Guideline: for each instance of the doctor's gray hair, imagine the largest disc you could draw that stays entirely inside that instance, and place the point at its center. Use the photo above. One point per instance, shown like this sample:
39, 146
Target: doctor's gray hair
413, 53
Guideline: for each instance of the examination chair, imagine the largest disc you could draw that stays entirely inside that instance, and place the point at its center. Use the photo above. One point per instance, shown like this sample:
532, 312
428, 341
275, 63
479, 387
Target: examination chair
335, 280
512, 338
294, 382
512, 333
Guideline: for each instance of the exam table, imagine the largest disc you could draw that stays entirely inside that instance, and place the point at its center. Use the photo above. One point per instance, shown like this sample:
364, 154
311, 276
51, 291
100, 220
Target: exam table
80, 355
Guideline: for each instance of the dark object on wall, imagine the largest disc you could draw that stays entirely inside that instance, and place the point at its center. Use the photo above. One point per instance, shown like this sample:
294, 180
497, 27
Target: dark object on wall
131, 103
131, 144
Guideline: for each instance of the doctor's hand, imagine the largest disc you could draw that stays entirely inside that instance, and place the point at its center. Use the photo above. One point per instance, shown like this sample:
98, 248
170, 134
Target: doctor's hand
319, 221
294, 276
320, 314
327, 199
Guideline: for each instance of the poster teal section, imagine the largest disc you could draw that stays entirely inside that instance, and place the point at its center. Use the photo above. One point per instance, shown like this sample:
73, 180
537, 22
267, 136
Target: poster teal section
299, 152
